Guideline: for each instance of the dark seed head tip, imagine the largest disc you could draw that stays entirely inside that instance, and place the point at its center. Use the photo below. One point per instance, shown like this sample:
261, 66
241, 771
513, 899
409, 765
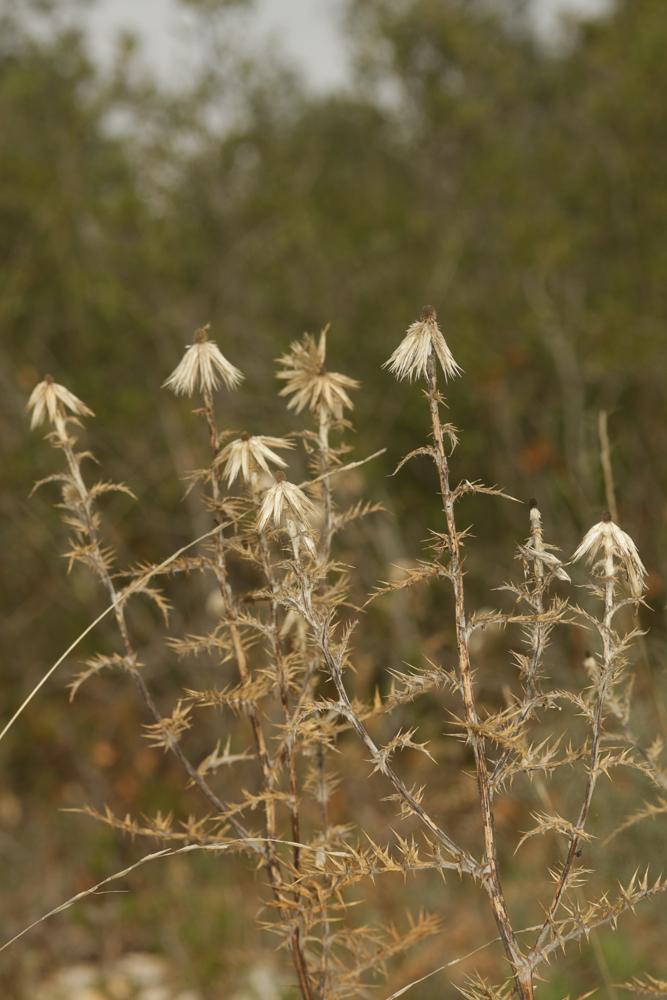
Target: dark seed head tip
428, 312
607, 516
532, 503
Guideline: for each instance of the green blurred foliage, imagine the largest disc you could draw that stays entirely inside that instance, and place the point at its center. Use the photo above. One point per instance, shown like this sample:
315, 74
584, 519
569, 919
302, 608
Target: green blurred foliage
519, 188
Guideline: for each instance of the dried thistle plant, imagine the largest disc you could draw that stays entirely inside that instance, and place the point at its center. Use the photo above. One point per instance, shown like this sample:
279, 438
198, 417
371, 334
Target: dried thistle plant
282, 643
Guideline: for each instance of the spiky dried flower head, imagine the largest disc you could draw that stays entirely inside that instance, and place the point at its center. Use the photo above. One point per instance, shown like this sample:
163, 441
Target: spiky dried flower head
606, 539
411, 357
249, 455
203, 368
309, 383
52, 402
284, 502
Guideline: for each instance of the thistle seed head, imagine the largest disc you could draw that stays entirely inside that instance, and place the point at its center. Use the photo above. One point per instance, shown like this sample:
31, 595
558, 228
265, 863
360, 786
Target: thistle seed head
249, 455
308, 383
282, 502
203, 368
606, 538
50, 401
411, 357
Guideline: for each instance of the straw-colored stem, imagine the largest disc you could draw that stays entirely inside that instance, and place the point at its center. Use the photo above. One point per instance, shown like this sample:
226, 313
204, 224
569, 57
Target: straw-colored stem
320, 627
538, 634
602, 682
327, 501
492, 883
287, 749
131, 658
221, 575
268, 774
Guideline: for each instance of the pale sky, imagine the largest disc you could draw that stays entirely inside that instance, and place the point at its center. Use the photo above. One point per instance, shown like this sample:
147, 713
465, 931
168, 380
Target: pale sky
306, 30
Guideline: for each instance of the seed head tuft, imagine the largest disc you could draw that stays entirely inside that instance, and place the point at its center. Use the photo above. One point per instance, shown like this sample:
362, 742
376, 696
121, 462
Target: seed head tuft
606, 538
203, 368
308, 382
248, 455
284, 502
51, 401
423, 338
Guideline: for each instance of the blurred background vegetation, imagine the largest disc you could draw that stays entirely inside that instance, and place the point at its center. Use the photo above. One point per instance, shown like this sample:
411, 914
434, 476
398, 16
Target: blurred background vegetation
519, 186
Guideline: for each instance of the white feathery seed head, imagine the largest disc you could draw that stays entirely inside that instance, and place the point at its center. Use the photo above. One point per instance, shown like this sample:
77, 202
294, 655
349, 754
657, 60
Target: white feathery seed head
203, 368
411, 357
248, 455
284, 502
606, 539
50, 401
309, 383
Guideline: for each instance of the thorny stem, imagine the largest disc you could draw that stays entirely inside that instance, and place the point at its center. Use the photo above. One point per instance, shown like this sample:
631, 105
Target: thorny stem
221, 576
286, 746
658, 776
578, 932
131, 658
321, 631
273, 864
492, 883
537, 641
325, 553
537, 953
323, 440
539, 631
291, 767
326, 923
287, 750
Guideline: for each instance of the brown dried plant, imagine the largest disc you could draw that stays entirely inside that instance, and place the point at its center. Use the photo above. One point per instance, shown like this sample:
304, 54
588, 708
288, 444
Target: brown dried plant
282, 642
